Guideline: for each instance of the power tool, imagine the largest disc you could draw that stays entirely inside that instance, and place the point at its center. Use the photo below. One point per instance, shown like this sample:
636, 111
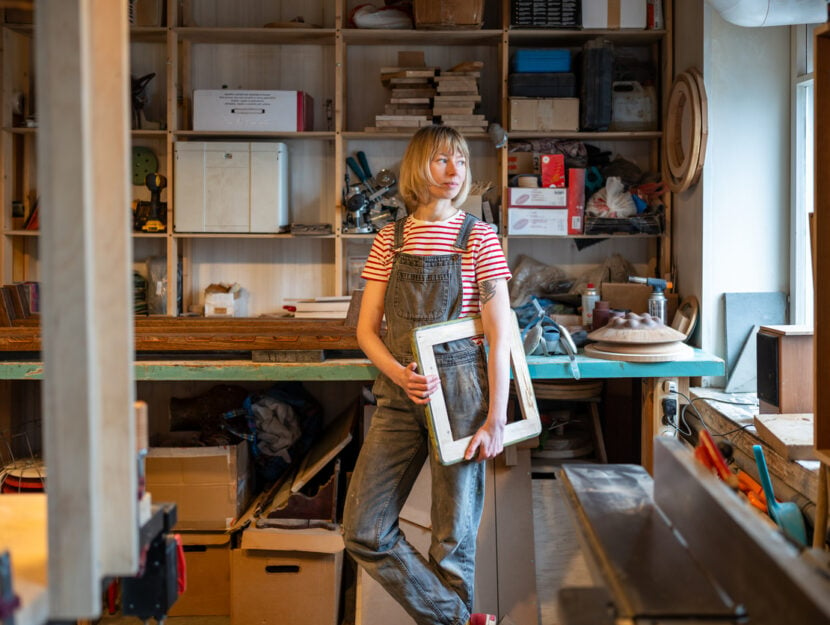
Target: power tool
151, 216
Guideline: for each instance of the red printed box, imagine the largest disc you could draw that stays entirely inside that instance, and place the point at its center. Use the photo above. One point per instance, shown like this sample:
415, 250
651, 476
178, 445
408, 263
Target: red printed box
553, 170
576, 200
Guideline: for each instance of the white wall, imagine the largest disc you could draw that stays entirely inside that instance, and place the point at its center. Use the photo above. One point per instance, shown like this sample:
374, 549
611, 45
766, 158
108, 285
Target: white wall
732, 230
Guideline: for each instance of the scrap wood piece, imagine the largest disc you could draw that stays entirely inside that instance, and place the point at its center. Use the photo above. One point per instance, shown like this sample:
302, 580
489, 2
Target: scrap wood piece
790, 435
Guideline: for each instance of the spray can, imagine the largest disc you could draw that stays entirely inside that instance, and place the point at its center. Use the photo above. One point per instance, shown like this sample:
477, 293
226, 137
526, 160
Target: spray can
589, 299
657, 305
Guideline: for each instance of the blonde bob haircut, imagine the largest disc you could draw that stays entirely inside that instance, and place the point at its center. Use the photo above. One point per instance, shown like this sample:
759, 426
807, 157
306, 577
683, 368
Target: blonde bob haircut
415, 178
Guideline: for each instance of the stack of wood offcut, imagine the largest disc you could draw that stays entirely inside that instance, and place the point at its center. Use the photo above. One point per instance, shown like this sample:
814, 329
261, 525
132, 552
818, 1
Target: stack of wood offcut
422, 95
457, 97
413, 88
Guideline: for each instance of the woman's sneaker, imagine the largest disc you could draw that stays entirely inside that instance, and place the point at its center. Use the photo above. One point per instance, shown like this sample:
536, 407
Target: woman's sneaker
483, 619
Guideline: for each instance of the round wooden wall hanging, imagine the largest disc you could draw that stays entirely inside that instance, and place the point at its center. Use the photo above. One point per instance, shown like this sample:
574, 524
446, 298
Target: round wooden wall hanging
684, 137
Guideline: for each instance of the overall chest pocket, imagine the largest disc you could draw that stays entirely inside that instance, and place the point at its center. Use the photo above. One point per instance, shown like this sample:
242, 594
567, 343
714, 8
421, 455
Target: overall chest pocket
424, 296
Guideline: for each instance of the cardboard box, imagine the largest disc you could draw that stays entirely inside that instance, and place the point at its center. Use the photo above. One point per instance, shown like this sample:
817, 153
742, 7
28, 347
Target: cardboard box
211, 486
257, 111
286, 577
551, 222
527, 197
443, 14
634, 297
613, 14
208, 564
544, 114
520, 163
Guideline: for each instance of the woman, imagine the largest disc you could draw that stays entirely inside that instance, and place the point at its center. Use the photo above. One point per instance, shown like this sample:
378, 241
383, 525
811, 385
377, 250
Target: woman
436, 264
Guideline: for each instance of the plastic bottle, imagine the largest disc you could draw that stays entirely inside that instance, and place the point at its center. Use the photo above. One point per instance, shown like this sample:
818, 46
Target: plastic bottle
589, 299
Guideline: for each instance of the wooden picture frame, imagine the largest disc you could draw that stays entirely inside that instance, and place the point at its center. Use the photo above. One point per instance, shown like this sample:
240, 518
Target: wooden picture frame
451, 450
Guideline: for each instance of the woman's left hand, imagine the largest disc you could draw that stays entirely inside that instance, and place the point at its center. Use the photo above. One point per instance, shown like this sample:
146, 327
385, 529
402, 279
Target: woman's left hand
487, 442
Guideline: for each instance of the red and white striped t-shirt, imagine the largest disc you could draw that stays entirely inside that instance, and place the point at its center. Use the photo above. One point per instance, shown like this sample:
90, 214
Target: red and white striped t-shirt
483, 260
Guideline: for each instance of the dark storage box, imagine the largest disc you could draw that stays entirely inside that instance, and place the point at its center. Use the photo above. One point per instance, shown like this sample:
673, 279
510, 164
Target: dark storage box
547, 14
596, 85
547, 85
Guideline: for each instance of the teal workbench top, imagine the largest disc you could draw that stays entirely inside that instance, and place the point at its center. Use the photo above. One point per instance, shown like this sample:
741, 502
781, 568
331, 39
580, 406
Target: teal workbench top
541, 367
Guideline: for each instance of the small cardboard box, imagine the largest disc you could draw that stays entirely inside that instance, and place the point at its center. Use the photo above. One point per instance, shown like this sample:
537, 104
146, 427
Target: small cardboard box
634, 297
286, 577
544, 114
551, 222
264, 111
529, 197
211, 486
207, 558
613, 14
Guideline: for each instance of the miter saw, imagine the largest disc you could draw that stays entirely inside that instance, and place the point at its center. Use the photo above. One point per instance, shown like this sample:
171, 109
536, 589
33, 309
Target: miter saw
372, 203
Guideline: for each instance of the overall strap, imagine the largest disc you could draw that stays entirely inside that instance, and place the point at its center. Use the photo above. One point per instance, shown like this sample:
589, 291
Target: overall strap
397, 244
465, 231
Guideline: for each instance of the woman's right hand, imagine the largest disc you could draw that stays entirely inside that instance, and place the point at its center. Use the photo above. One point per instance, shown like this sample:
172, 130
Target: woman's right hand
418, 387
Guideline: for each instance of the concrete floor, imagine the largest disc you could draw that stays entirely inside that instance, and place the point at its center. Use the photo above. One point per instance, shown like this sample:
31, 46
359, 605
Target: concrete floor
559, 561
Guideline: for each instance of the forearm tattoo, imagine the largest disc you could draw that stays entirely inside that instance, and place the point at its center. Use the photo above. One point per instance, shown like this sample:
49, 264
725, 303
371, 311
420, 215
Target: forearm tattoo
486, 291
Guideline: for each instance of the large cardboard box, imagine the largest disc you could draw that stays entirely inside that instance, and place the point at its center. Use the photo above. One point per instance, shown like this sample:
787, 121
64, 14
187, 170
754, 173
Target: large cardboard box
286, 577
251, 111
544, 114
614, 14
208, 565
529, 197
211, 486
552, 222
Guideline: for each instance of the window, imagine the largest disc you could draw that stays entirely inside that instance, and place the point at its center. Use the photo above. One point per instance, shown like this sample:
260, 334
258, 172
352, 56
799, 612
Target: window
801, 278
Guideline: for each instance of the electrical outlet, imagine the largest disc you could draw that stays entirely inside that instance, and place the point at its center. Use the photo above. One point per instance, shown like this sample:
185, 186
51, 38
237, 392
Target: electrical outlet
669, 386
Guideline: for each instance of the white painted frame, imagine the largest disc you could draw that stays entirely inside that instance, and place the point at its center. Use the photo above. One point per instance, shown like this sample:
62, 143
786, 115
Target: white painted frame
449, 449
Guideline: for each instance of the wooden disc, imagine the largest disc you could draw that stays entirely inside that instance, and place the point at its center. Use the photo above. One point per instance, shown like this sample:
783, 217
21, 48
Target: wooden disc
686, 131
666, 353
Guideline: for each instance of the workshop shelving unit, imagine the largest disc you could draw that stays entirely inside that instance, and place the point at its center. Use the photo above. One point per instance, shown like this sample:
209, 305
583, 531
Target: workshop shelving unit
210, 44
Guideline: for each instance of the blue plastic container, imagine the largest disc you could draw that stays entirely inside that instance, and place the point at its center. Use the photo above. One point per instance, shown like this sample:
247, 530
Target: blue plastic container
541, 60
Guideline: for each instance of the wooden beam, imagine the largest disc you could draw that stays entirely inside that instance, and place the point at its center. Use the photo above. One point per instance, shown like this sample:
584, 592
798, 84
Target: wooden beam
88, 420
111, 275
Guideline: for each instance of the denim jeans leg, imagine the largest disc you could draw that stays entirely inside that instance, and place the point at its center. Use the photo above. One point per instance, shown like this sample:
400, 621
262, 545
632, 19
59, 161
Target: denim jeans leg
458, 489
391, 457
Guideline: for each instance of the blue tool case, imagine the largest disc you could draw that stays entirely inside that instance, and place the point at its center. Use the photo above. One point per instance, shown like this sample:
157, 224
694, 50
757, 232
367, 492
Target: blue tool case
541, 60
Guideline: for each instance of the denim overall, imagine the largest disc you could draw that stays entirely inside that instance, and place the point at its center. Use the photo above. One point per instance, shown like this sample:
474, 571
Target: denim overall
421, 290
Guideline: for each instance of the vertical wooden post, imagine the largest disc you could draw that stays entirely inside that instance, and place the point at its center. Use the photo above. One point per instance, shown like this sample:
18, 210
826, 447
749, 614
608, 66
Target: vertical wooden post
83, 143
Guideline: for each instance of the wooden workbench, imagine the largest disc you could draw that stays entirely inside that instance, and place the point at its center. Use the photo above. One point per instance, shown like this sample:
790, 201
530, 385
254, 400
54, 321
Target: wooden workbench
512, 477
652, 374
